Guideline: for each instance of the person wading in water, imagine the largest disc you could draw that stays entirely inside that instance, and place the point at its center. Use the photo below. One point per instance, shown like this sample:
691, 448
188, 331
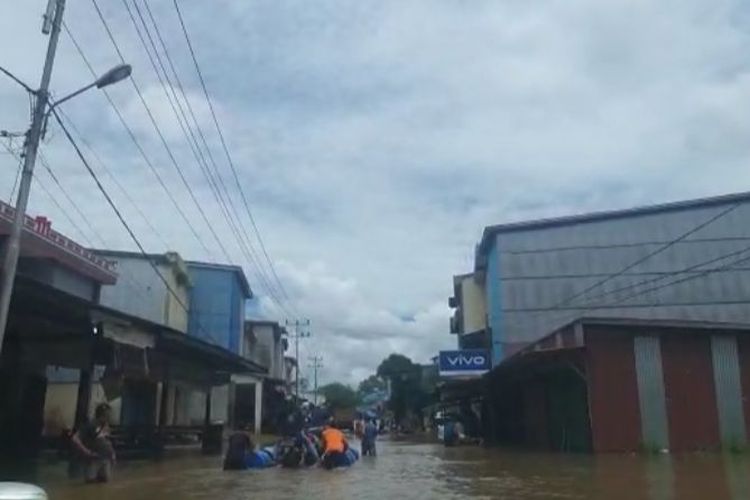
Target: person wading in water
93, 443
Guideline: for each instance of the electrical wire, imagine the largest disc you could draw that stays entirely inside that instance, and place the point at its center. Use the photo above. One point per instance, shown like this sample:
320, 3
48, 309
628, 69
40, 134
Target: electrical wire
646, 257
246, 244
51, 173
187, 130
122, 220
162, 138
226, 151
114, 180
140, 149
18, 172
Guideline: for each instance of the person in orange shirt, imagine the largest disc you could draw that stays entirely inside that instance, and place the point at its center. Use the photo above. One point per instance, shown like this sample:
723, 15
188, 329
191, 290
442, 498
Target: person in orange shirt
334, 446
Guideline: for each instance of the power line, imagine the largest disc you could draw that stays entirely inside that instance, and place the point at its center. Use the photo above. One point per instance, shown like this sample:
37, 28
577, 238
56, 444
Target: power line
187, 130
52, 198
122, 220
140, 149
18, 171
246, 245
45, 164
163, 140
129, 281
63, 211
226, 151
109, 173
585, 308
643, 259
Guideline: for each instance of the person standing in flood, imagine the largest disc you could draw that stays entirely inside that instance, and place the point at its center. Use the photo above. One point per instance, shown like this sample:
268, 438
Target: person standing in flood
369, 436
93, 442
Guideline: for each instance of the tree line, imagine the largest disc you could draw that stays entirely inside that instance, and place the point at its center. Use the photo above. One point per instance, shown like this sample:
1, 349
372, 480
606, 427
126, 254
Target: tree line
412, 388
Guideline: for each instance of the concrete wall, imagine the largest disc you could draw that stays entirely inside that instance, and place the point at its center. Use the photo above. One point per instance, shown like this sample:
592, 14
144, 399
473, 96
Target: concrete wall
217, 307
140, 292
532, 272
473, 310
265, 347
61, 278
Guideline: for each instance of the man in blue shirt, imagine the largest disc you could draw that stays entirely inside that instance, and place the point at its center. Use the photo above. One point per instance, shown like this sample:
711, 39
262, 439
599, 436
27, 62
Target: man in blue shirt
369, 435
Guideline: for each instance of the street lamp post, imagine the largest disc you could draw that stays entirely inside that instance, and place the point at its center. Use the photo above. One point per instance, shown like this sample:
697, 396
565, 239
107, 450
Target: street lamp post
31, 147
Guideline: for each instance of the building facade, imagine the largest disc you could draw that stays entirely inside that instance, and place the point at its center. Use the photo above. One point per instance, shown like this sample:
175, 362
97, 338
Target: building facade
682, 260
218, 294
469, 320
142, 293
680, 386
265, 343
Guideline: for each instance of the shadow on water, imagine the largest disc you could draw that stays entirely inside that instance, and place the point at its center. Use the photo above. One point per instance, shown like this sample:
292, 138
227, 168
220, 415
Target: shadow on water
428, 471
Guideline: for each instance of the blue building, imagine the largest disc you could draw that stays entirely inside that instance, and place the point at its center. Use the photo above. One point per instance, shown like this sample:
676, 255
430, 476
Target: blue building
217, 304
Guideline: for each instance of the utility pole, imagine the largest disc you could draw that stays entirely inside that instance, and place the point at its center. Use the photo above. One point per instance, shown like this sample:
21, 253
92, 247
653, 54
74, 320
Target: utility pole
298, 335
52, 23
316, 362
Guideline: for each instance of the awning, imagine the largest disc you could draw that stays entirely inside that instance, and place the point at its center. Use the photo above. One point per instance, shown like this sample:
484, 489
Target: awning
188, 348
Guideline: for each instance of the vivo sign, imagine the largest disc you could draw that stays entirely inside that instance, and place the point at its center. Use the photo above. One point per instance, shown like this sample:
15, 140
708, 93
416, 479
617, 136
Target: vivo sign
465, 362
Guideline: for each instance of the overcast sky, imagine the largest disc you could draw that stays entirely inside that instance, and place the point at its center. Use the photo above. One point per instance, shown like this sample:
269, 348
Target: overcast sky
376, 139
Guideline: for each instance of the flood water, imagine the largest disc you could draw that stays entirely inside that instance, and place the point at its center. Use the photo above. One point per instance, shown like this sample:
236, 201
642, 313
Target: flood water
425, 471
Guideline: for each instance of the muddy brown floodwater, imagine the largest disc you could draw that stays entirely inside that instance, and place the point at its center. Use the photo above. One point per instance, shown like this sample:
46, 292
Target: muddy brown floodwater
416, 470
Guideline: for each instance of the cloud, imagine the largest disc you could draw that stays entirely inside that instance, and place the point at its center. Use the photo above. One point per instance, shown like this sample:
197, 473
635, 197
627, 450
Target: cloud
375, 139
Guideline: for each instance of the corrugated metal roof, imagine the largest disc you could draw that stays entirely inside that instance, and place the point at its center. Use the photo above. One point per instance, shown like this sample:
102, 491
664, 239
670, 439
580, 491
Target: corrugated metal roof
490, 231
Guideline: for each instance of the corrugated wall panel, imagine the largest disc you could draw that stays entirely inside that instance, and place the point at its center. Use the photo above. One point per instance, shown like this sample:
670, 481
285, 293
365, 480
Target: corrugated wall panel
543, 267
613, 391
651, 394
728, 390
691, 397
743, 351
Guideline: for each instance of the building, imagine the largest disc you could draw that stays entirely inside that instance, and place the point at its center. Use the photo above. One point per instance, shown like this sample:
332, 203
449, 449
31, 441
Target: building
143, 293
671, 282
259, 400
56, 320
626, 385
539, 275
218, 296
156, 288
469, 320
265, 342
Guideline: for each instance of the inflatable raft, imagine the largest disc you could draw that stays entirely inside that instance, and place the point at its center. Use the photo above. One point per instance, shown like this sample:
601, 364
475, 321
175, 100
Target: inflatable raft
262, 458
345, 459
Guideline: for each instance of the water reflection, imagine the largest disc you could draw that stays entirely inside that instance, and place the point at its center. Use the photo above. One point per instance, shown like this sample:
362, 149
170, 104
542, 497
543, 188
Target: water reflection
416, 471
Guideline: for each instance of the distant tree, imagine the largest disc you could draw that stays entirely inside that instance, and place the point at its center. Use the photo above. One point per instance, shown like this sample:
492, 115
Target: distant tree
396, 366
339, 396
408, 392
371, 384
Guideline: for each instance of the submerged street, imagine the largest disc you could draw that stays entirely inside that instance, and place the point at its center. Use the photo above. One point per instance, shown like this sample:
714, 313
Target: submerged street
429, 471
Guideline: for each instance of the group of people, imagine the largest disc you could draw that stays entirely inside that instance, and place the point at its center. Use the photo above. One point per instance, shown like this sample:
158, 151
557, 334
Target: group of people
327, 447
367, 431
93, 451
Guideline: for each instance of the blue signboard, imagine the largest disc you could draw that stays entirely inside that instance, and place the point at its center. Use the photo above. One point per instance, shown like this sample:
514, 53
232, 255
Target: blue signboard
464, 362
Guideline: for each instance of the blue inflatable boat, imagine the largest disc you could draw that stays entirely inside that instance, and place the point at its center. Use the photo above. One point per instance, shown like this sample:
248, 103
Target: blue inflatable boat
345, 459
264, 457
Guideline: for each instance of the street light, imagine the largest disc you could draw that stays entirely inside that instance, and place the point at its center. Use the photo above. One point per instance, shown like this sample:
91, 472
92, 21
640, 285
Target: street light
31, 147
114, 75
